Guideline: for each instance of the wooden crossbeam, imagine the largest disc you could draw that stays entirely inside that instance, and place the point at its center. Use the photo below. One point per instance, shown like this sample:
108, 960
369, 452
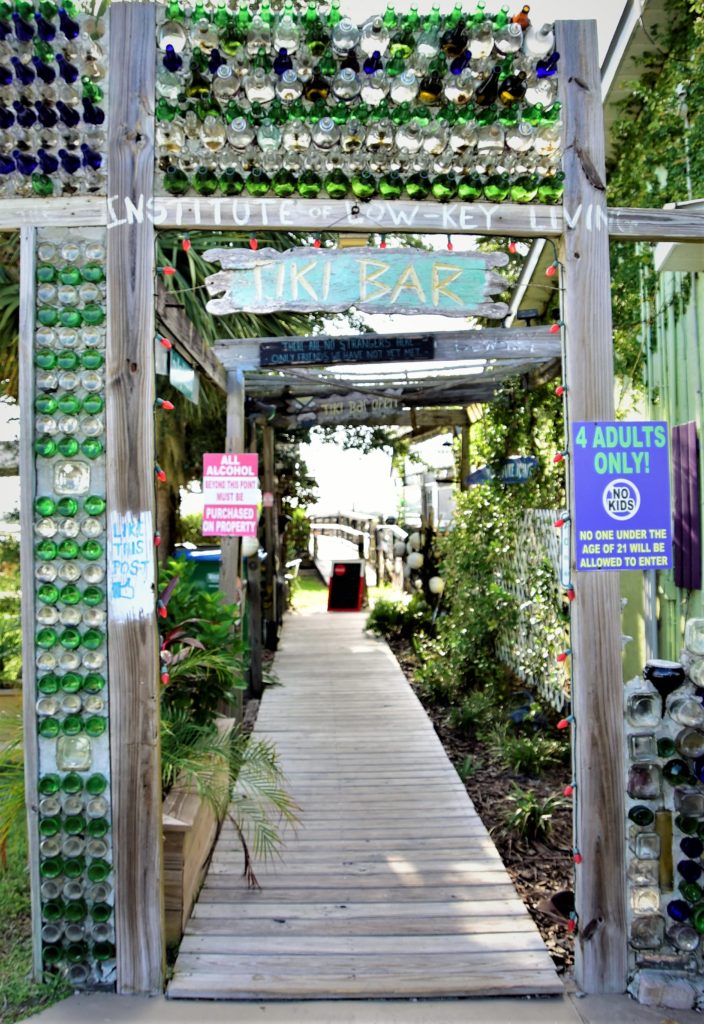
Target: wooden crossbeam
178, 328
624, 224
430, 418
495, 343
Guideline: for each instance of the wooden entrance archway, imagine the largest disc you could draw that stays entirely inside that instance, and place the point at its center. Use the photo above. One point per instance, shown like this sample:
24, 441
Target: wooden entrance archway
126, 218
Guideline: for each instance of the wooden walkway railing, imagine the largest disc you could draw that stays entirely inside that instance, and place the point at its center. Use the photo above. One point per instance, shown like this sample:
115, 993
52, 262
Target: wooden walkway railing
391, 887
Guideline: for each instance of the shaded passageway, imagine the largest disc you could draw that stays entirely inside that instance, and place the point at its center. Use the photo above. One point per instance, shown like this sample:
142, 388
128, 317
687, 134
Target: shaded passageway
391, 886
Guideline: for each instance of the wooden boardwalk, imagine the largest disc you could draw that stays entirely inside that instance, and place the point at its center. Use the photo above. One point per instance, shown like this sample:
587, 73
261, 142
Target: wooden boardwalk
391, 886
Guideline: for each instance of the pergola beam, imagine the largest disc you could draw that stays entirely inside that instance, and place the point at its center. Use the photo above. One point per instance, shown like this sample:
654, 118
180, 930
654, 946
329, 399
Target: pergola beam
172, 318
624, 224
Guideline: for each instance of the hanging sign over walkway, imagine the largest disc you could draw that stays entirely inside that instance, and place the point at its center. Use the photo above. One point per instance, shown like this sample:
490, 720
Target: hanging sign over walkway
374, 280
231, 492
324, 349
622, 495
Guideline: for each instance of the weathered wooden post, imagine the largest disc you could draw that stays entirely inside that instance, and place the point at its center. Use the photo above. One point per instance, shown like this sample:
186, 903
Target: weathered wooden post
464, 458
270, 540
132, 631
597, 685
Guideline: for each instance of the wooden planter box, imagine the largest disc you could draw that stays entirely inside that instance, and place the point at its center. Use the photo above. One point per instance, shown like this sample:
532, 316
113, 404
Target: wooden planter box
190, 828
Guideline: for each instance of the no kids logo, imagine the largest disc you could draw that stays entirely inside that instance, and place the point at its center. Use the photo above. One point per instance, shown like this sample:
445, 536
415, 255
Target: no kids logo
621, 499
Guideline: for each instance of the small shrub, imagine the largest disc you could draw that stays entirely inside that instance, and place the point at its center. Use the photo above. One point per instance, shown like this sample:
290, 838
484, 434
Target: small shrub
191, 528
298, 534
527, 754
468, 767
530, 817
477, 712
397, 620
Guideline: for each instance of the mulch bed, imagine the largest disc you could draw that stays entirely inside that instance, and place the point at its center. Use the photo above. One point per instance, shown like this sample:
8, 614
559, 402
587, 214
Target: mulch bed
538, 870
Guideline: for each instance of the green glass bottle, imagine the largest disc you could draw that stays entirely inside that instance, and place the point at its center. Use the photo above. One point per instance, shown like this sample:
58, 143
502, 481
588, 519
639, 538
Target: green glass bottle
51, 954
49, 785
47, 316
336, 184
70, 639
48, 684
93, 314
74, 867
93, 682
550, 190
68, 447
93, 639
52, 867
70, 594
686, 824
363, 185
71, 682
641, 815
74, 824
46, 550
205, 181
72, 783
50, 826
444, 187
46, 638
524, 188
45, 359
92, 359
45, 405
72, 725
309, 184
92, 447
691, 891
101, 912
95, 725
93, 596
76, 911
46, 273
496, 188
69, 404
70, 275
257, 183
70, 318
92, 273
67, 507
45, 447
283, 184
391, 185
418, 185
231, 182
103, 951
176, 181
68, 549
42, 185
44, 506
98, 827
98, 870
92, 550
52, 910
49, 728
48, 593
96, 784
94, 505
697, 918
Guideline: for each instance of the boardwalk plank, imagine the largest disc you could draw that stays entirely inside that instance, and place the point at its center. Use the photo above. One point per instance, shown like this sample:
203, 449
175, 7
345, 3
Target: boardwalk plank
391, 885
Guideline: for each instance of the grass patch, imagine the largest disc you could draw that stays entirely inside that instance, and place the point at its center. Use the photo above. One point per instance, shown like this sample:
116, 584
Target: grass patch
20, 996
311, 594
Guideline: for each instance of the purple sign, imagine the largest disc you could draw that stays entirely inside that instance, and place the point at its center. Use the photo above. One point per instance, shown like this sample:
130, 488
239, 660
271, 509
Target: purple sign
622, 515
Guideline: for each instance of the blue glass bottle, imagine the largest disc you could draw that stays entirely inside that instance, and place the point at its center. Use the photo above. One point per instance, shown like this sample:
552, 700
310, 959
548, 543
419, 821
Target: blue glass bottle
44, 71
68, 71
70, 28
47, 161
70, 162
23, 30
7, 118
91, 113
547, 67
25, 163
171, 60
68, 115
46, 114
25, 114
45, 30
91, 157
24, 73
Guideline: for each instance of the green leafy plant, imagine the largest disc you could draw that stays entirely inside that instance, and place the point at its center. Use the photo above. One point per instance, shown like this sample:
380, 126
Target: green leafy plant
239, 776
396, 620
11, 783
529, 816
477, 711
202, 653
526, 754
468, 767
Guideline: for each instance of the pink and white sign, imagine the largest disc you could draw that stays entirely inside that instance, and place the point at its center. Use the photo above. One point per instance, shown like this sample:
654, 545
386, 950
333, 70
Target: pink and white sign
231, 492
